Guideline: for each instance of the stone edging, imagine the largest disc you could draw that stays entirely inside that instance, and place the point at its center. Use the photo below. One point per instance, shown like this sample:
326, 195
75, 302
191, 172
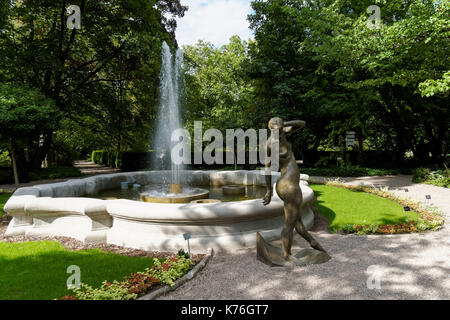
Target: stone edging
187, 277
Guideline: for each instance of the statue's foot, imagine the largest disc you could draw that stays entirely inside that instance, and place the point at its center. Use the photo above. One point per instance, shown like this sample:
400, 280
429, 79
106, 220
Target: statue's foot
317, 246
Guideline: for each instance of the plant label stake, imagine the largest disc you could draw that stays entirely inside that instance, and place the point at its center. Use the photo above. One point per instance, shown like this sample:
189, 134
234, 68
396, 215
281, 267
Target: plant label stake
187, 236
407, 209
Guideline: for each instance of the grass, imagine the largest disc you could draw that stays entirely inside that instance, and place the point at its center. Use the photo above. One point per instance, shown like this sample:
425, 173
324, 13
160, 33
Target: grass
343, 207
37, 269
3, 198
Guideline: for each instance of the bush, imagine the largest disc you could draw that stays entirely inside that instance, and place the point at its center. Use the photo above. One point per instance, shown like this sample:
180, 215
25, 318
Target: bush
108, 291
127, 161
440, 178
55, 173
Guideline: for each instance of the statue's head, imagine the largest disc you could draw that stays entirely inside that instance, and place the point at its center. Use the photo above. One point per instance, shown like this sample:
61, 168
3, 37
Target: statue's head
276, 123
285, 127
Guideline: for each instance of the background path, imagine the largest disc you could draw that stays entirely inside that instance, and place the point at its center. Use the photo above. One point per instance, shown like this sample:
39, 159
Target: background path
409, 266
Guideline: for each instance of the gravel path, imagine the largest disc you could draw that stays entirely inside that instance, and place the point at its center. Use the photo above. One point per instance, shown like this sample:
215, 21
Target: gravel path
409, 266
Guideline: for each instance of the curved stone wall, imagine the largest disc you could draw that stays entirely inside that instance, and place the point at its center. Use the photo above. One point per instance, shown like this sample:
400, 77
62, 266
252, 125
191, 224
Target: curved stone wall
60, 210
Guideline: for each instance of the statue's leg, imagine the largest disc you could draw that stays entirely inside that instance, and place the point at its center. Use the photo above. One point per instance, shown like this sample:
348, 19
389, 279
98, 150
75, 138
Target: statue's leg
300, 228
291, 214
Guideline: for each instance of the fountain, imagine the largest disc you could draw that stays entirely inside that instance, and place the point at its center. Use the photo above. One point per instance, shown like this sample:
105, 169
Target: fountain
173, 200
171, 93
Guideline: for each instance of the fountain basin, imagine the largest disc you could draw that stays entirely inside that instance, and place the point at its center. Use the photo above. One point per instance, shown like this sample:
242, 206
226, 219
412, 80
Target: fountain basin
176, 197
60, 210
233, 190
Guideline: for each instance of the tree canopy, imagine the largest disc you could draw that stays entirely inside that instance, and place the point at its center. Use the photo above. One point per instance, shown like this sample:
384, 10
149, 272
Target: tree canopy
103, 76
320, 61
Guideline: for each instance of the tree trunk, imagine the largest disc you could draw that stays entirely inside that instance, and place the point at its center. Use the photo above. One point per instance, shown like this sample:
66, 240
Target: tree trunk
360, 147
14, 165
344, 160
37, 157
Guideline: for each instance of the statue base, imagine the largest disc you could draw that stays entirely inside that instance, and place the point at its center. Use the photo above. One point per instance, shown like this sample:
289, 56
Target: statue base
273, 256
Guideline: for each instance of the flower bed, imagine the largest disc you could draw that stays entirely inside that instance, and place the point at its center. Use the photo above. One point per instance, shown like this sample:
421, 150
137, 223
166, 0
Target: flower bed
163, 272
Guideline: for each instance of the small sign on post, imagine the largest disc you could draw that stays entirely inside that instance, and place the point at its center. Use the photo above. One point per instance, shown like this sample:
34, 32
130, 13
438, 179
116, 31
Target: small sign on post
187, 236
350, 138
407, 209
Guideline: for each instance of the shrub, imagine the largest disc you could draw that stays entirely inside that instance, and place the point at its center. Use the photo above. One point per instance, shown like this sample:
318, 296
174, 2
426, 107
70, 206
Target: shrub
108, 291
182, 253
440, 178
170, 270
55, 173
127, 161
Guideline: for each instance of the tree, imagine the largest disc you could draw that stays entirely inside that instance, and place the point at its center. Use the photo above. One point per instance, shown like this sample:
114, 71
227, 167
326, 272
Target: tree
4, 6
77, 68
320, 61
24, 114
219, 92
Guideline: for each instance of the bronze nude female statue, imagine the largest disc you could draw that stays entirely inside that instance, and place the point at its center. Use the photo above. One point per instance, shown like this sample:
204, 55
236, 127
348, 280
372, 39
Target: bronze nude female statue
287, 187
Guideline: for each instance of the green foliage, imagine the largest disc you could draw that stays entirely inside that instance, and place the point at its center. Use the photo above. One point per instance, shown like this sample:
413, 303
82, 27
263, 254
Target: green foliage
108, 291
102, 78
318, 61
55, 173
182, 253
3, 12
3, 198
108, 158
167, 272
424, 225
220, 93
5, 160
440, 178
127, 161
25, 112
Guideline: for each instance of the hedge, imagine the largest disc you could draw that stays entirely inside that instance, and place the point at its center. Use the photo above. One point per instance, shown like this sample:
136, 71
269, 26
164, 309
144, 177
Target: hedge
127, 161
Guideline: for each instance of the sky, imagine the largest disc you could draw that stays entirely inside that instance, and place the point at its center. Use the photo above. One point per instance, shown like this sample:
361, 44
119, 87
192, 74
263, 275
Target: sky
214, 21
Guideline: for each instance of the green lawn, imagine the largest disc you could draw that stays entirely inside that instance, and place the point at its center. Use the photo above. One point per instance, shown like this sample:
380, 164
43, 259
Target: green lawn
342, 206
37, 269
3, 198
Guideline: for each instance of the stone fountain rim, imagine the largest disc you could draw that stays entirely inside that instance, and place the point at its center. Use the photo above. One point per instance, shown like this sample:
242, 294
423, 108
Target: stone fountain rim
58, 210
56, 197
